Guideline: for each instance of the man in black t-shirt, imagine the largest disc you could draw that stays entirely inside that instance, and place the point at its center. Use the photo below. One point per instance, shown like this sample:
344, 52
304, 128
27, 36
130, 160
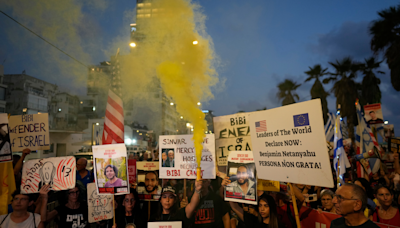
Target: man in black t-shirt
350, 201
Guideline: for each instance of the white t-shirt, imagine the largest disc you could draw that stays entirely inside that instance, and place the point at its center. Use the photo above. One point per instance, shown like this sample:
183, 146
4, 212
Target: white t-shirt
28, 223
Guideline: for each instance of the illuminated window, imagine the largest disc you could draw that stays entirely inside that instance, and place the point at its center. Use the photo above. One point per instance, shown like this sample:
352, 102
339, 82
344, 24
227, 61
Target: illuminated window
140, 4
147, 15
147, 4
140, 16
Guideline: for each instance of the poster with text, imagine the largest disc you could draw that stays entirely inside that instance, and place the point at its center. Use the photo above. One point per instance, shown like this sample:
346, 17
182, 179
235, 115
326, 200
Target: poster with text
232, 133
99, 206
132, 170
59, 172
148, 187
289, 144
388, 130
29, 131
178, 157
243, 177
5, 146
165, 224
373, 114
111, 174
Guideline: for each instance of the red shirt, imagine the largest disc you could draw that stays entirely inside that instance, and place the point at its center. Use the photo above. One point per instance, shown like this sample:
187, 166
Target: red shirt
395, 221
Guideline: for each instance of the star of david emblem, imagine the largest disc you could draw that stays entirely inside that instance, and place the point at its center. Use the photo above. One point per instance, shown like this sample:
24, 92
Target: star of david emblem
367, 139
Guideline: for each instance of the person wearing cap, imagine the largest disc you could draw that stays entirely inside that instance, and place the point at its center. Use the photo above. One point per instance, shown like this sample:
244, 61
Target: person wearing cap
169, 206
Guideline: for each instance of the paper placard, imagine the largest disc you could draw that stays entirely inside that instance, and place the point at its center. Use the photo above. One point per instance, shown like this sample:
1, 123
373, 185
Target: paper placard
289, 144
164, 225
99, 206
5, 146
59, 172
232, 133
242, 173
178, 158
269, 186
373, 114
111, 174
29, 131
148, 188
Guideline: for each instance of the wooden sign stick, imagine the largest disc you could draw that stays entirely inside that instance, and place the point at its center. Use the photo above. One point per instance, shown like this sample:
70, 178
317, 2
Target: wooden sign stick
296, 213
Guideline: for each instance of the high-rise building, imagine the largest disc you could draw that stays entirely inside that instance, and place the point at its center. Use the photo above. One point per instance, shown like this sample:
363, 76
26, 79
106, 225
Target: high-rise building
65, 109
3, 88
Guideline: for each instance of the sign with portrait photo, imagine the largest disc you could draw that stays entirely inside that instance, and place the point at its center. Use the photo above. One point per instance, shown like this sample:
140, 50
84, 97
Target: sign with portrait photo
243, 177
388, 130
148, 188
373, 114
110, 165
5, 146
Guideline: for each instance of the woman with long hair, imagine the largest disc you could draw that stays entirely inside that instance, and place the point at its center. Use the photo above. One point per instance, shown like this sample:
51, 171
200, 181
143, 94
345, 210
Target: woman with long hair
386, 213
130, 212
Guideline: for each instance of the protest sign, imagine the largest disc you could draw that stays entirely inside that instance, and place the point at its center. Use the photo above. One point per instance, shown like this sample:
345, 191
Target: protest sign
111, 174
388, 130
164, 224
267, 185
5, 146
289, 144
178, 157
394, 145
132, 170
242, 173
99, 206
59, 172
29, 131
373, 114
232, 132
148, 187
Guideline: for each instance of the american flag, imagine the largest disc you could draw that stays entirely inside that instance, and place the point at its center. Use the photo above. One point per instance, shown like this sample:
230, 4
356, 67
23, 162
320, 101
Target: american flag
114, 121
261, 126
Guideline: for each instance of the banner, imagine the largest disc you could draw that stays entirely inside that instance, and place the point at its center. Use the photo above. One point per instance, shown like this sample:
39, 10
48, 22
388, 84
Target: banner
111, 174
373, 114
289, 144
29, 131
232, 133
148, 188
388, 130
59, 172
7, 187
166, 224
5, 146
267, 185
132, 170
243, 176
178, 157
99, 206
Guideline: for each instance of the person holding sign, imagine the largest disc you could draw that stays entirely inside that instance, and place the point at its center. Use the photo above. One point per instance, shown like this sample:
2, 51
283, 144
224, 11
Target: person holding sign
111, 173
244, 185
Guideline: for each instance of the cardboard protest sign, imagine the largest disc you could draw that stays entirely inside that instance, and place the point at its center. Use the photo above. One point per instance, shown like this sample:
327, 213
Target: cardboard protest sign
373, 114
267, 185
166, 224
148, 187
29, 131
242, 173
132, 170
290, 145
388, 130
178, 157
111, 174
232, 133
5, 146
99, 206
59, 172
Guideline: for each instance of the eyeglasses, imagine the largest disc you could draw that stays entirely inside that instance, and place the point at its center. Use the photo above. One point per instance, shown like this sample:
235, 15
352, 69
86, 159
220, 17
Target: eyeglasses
341, 198
71, 193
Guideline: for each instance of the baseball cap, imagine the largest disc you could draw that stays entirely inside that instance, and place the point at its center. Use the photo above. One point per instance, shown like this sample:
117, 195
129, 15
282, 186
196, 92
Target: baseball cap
169, 189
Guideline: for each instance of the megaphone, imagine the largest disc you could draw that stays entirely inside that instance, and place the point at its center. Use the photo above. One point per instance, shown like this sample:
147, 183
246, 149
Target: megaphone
370, 154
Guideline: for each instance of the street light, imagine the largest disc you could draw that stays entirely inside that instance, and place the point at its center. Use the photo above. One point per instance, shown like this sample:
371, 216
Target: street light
198, 103
195, 42
93, 124
132, 44
172, 103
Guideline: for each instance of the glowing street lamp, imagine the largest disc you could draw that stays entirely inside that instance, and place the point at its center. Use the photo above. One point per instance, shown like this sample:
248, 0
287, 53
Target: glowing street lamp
195, 42
132, 44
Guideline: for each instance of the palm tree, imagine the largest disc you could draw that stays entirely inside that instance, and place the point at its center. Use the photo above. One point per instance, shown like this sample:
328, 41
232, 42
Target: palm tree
345, 89
386, 38
317, 90
286, 92
370, 84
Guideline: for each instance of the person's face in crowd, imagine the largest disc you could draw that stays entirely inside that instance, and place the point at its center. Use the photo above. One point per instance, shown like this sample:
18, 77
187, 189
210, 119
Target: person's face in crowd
21, 202
242, 175
145, 156
171, 155
73, 194
156, 154
164, 156
167, 200
81, 164
129, 202
372, 115
110, 173
344, 201
150, 181
384, 197
326, 202
131, 156
359, 184
137, 157
263, 209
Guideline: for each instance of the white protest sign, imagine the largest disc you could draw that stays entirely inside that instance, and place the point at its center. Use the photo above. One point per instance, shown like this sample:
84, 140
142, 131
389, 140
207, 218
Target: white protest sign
29, 131
243, 176
164, 224
5, 146
232, 132
99, 206
289, 144
111, 174
178, 157
59, 172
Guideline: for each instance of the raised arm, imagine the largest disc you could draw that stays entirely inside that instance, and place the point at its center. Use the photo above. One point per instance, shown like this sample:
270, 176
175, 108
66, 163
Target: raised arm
43, 208
18, 166
194, 202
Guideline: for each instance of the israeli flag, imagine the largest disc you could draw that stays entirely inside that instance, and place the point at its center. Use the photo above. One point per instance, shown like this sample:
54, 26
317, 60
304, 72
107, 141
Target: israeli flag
330, 127
340, 160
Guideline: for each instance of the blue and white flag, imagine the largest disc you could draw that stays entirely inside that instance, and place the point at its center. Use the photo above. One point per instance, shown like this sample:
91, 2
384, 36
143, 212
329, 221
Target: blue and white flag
340, 160
330, 127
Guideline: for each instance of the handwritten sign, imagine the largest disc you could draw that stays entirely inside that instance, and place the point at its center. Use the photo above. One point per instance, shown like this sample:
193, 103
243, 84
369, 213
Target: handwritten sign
100, 206
164, 225
232, 133
148, 188
59, 172
5, 146
110, 165
132, 170
289, 144
178, 157
29, 131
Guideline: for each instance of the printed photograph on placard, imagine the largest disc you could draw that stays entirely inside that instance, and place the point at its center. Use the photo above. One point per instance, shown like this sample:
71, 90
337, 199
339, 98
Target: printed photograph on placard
148, 182
5, 146
168, 158
242, 174
373, 114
